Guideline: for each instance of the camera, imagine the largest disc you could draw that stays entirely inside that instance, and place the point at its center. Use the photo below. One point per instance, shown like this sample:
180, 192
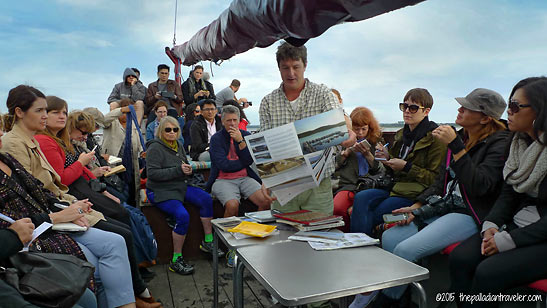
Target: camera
97, 186
248, 103
167, 94
379, 181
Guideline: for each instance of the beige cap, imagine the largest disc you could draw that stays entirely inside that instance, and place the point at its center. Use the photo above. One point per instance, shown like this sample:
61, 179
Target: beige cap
96, 114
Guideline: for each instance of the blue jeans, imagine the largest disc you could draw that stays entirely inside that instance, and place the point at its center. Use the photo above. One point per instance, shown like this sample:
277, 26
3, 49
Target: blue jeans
410, 244
87, 300
369, 206
107, 252
195, 196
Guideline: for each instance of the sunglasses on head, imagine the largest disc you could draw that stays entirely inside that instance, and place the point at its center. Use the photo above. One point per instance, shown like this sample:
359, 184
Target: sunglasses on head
169, 129
411, 108
514, 106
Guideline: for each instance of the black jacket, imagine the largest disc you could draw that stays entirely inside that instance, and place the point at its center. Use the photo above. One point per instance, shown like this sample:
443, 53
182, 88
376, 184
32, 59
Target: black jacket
480, 179
199, 133
163, 168
509, 203
189, 95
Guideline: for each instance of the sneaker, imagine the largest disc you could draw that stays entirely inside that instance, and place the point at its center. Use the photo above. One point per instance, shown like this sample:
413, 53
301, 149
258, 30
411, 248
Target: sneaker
362, 301
208, 248
230, 258
181, 267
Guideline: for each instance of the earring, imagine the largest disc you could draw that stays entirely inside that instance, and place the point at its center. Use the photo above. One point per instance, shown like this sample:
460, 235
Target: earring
534, 123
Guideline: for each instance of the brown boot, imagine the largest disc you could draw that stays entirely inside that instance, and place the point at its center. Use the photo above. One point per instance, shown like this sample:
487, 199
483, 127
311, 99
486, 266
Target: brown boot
147, 303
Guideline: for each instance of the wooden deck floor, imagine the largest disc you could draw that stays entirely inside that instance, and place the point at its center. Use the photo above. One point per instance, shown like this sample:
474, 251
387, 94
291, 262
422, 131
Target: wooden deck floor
196, 290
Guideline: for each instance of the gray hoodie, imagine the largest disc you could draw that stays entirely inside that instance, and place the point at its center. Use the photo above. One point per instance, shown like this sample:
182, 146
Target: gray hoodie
121, 90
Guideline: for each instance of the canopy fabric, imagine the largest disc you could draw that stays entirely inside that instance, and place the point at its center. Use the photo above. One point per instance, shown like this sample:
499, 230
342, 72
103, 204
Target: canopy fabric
259, 23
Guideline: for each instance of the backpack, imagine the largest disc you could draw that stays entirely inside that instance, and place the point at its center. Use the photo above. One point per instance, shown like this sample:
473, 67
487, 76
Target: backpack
146, 247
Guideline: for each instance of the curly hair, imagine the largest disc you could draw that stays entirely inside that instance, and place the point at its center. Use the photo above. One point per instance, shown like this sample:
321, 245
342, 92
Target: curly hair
362, 116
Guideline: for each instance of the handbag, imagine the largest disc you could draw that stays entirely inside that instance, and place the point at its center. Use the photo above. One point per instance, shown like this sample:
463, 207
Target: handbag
48, 280
380, 181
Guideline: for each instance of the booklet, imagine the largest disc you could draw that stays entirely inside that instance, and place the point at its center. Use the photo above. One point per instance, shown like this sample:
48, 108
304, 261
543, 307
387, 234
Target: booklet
306, 217
333, 240
292, 158
261, 216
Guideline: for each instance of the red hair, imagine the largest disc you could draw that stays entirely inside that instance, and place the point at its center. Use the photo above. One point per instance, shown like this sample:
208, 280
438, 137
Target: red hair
362, 116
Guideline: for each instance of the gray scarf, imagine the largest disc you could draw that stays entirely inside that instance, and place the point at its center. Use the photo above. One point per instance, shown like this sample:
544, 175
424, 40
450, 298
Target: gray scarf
192, 85
526, 166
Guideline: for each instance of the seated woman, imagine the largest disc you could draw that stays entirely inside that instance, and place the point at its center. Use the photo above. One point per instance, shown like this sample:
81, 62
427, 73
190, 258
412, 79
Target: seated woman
356, 161
114, 139
469, 183
160, 109
510, 249
13, 238
27, 115
168, 172
414, 158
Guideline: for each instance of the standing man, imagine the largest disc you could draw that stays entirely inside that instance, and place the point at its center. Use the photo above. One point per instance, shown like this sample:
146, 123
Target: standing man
295, 99
164, 89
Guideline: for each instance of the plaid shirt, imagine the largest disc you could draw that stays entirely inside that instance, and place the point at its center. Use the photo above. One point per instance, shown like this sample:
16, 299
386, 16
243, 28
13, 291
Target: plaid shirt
275, 109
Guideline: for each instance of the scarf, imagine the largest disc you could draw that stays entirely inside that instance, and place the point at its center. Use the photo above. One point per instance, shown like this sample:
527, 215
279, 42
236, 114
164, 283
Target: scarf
410, 138
173, 145
362, 162
526, 165
192, 85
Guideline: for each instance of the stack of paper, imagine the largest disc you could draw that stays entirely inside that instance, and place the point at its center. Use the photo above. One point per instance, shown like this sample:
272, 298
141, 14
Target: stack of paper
226, 223
333, 240
305, 220
261, 216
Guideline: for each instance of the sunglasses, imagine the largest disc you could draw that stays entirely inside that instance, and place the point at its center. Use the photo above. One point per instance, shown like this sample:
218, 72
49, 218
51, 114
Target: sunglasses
197, 111
411, 108
83, 133
514, 106
169, 129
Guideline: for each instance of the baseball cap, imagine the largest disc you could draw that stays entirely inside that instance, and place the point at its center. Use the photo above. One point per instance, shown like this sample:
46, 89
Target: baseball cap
96, 114
489, 102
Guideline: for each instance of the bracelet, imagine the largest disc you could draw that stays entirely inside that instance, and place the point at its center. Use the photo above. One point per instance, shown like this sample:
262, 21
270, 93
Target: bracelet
456, 145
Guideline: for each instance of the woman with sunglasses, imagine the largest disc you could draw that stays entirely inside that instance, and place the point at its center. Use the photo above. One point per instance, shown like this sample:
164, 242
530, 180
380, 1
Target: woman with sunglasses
510, 249
192, 111
469, 182
414, 158
168, 173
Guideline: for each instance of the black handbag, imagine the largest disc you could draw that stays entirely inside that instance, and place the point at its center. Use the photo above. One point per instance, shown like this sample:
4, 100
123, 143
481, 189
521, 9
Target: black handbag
48, 280
380, 181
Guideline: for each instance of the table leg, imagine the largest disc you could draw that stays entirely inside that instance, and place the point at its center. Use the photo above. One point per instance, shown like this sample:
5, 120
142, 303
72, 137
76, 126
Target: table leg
215, 269
421, 293
238, 283
344, 301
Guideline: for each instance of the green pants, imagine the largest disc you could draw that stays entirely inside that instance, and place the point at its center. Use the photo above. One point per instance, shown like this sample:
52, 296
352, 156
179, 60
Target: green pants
318, 199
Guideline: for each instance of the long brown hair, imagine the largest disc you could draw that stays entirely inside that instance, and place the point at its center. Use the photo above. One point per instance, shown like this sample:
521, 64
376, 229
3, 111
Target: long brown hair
486, 130
361, 116
62, 137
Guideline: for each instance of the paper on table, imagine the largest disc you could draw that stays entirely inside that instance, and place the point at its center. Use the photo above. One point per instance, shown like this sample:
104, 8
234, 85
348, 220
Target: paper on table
36, 233
349, 240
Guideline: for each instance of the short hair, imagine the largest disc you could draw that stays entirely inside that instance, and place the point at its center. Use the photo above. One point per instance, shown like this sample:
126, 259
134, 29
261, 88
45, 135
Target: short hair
163, 66
234, 103
419, 96
286, 51
235, 83
207, 101
164, 122
362, 116
159, 104
197, 67
229, 109
535, 91
126, 102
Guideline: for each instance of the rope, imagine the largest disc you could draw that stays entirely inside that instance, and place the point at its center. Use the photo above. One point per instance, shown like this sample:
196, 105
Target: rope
175, 29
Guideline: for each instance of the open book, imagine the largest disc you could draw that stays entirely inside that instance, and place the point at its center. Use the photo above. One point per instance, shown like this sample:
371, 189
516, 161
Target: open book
117, 169
292, 158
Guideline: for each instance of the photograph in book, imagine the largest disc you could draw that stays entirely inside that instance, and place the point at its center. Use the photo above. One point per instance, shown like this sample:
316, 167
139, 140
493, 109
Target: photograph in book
263, 157
266, 170
313, 138
257, 141
260, 148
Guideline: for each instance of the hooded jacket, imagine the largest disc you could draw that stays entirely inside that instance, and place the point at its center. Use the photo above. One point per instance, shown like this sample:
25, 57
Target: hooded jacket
199, 135
136, 92
163, 168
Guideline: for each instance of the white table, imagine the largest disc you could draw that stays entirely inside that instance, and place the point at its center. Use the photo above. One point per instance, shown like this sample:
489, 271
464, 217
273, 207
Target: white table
295, 274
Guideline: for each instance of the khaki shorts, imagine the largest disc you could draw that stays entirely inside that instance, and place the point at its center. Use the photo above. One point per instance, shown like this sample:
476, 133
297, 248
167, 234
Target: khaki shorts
226, 190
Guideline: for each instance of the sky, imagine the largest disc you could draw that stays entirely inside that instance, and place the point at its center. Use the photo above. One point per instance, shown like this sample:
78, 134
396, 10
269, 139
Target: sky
78, 49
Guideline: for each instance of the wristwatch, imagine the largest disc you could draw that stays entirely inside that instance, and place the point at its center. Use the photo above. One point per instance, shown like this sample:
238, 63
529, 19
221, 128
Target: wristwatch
238, 142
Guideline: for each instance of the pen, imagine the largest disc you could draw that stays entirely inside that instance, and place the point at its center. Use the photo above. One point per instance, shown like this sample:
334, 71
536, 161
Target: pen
385, 146
94, 148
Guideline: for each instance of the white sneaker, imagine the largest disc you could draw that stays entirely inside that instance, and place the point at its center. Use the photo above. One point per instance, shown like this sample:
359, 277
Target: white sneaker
361, 301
